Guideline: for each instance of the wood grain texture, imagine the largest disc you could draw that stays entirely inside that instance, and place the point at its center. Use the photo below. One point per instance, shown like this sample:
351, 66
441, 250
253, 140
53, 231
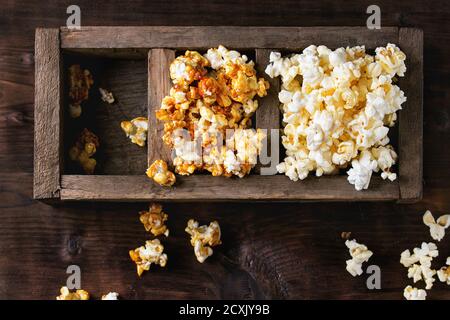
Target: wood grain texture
269, 250
159, 85
47, 116
209, 188
268, 115
292, 38
411, 117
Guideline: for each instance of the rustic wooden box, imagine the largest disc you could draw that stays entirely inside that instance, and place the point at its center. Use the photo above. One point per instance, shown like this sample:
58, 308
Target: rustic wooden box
131, 51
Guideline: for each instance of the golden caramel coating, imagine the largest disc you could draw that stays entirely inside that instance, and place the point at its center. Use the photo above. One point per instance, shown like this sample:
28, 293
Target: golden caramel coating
83, 150
77, 295
80, 81
153, 220
136, 130
159, 172
203, 238
150, 253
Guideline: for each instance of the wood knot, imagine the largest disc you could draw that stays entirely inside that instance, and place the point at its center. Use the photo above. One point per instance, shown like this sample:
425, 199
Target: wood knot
74, 245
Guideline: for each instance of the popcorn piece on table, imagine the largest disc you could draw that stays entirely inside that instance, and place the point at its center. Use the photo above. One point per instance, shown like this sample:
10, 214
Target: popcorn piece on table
437, 228
411, 293
153, 220
106, 95
419, 263
359, 253
145, 256
337, 108
444, 272
76, 295
80, 81
212, 95
83, 150
110, 296
203, 238
136, 130
159, 172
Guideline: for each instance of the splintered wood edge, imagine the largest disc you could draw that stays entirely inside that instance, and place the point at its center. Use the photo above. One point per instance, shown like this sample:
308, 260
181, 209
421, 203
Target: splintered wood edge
209, 188
204, 37
159, 85
411, 118
47, 115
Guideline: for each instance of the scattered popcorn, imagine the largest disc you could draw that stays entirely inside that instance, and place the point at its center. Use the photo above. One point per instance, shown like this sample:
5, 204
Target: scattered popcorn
144, 256
359, 253
77, 295
159, 172
80, 81
419, 263
444, 272
437, 228
106, 95
346, 235
203, 238
136, 130
411, 293
83, 150
153, 220
110, 296
208, 112
337, 109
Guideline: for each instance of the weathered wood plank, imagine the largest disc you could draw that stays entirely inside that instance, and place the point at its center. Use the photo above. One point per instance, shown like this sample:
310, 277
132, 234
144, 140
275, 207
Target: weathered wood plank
209, 188
411, 117
292, 38
159, 85
268, 114
47, 114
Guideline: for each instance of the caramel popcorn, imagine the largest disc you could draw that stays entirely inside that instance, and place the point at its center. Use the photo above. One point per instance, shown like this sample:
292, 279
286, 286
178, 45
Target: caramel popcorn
77, 295
106, 95
80, 81
153, 220
110, 296
84, 149
203, 238
159, 172
338, 106
212, 96
136, 130
145, 256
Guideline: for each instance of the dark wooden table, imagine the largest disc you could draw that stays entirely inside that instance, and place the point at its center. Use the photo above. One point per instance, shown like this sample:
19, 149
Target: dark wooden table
269, 250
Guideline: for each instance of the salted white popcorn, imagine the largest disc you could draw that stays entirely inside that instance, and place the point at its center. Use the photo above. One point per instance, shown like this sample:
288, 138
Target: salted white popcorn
111, 296
338, 106
444, 272
419, 263
437, 227
359, 253
411, 293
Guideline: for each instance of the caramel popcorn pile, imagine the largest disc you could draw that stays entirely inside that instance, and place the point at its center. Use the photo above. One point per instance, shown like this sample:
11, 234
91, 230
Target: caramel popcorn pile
153, 220
160, 173
210, 94
338, 106
80, 81
145, 256
84, 149
203, 238
77, 295
136, 130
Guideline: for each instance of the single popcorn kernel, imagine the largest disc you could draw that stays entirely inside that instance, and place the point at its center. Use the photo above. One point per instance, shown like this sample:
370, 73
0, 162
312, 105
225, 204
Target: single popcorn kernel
153, 220
77, 295
85, 147
145, 256
203, 238
359, 253
136, 130
159, 172
411, 293
110, 296
106, 95
80, 81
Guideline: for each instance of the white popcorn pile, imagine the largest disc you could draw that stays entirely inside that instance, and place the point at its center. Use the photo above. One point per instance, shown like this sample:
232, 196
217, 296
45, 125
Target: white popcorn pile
437, 228
411, 293
337, 109
444, 272
419, 263
203, 238
359, 253
110, 296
